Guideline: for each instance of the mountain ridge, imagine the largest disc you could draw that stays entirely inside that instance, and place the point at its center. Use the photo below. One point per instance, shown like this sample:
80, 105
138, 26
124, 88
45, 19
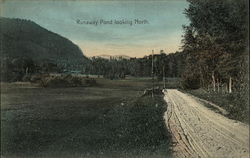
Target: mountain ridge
24, 38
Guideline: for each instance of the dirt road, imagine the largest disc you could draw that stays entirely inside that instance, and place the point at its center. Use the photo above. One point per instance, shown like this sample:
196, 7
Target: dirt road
199, 132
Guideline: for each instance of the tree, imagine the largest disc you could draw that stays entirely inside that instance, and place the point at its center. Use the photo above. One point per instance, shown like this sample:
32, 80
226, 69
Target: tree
216, 39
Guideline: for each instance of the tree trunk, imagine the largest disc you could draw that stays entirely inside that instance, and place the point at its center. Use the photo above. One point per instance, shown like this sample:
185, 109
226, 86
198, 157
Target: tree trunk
230, 85
213, 78
152, 73
27, 70
218, 85
164, 80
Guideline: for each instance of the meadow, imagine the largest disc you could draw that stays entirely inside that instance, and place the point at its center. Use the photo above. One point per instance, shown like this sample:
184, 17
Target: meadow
110, 119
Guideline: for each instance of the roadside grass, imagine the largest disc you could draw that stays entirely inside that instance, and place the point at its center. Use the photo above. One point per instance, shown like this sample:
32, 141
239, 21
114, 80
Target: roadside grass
236, 104
142, 128
106, 120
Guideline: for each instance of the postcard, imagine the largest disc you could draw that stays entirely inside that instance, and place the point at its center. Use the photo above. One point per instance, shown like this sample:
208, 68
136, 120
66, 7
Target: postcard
124, 79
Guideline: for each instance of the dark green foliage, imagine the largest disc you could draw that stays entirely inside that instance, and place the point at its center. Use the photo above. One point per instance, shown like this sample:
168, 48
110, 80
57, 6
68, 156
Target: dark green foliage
142, 129
149, 129
234, 103
27, 45
216, 40
64, 81
16, 69
90, 81
110, 68
192, 81
173, 65
216, 43
238, 106
24, 38
156, 90
55, 82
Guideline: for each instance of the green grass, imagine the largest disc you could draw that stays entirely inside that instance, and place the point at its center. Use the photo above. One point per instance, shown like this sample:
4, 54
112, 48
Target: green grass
236, 103
107, 120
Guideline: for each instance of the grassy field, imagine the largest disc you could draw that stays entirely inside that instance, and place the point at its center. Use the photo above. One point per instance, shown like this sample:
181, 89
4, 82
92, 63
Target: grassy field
106, 120
236, 104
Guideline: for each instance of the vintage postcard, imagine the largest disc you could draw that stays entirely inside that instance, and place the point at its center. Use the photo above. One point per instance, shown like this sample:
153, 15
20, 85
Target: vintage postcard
124, 79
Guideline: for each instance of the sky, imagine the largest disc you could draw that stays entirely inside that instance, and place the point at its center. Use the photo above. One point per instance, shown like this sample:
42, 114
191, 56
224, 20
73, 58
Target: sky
156, 25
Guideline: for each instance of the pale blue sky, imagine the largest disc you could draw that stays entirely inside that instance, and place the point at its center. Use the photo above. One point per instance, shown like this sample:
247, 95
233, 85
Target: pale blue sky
163, 31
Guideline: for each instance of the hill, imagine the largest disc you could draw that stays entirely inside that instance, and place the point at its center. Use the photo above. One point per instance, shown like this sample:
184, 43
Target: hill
24, 38
27, 48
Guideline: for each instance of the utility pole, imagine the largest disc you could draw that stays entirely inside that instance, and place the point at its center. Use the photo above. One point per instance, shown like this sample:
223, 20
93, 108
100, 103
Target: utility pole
153, 73
164, 80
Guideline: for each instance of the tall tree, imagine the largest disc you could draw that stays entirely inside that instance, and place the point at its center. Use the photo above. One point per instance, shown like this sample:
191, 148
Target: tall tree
216, 39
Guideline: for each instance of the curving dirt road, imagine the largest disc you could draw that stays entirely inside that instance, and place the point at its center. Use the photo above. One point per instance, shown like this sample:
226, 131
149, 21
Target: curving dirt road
199, 132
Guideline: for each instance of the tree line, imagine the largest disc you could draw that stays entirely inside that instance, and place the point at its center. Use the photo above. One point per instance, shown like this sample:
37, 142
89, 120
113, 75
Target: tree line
216, 44
168, 65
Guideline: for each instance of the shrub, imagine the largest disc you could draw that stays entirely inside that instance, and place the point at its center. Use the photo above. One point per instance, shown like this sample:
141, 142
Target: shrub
56, 82
239, 108
76, 81
37, 78
90, 81
236, 103
191, 82
63, 81
26, 78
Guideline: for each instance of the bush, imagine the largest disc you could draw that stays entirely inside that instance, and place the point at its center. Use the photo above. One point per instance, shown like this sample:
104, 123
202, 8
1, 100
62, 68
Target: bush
37, 78
73, 80
90, 81
236, 103
26, 78
239, 106
191, 82
64, 81
55, 82
157, 91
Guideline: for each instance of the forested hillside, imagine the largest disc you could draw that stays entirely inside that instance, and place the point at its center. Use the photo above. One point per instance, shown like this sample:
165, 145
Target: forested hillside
26, 46
24, 38
168, 65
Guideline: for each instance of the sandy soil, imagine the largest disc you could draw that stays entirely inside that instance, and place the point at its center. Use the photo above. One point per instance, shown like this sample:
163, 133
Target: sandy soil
200, 132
